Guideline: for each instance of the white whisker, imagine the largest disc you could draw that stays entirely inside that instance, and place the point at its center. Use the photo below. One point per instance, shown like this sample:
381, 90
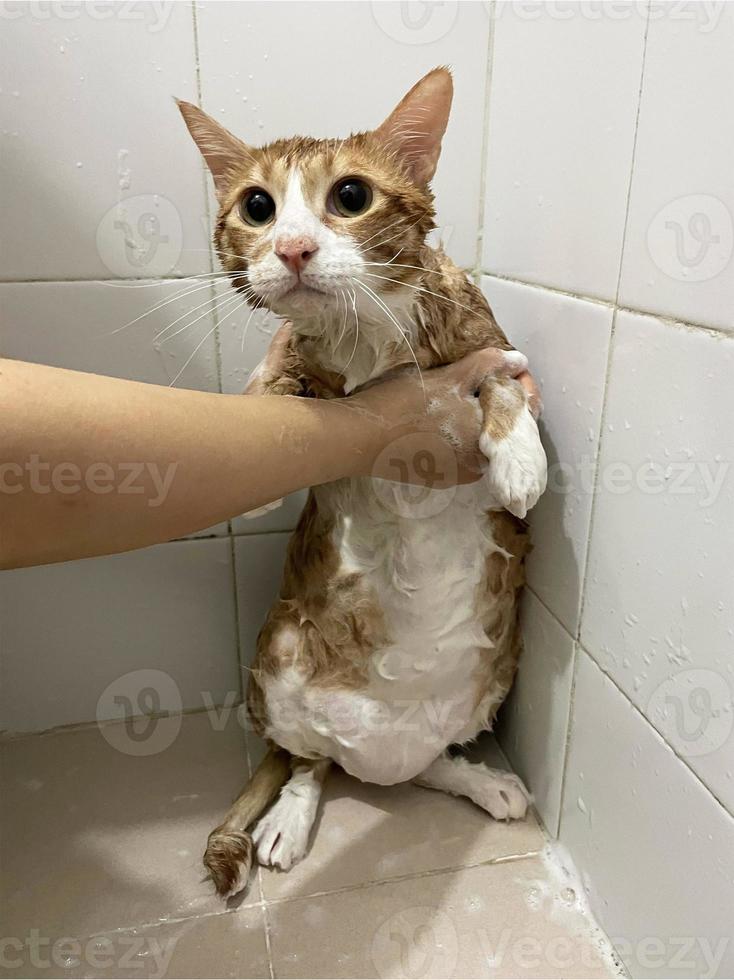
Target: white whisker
381, 303
218, 303
178, 295
356, 338
258, 306
193, 353
207, 302
422, 289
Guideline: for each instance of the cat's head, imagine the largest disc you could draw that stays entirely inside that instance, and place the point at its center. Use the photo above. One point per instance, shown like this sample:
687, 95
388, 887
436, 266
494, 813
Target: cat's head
307, 221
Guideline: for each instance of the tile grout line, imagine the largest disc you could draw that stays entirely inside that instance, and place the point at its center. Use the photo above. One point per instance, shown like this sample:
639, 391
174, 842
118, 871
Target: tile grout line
267, 930
610, 351
600, 441
218, 353
650, 725
664, 318
409, 876
259, 874
554, 615
483, 166
559, 290
6, 737
264, 903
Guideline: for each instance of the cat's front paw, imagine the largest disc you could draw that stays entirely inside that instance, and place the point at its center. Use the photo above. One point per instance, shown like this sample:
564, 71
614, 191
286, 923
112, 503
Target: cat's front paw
518, 469
281, 836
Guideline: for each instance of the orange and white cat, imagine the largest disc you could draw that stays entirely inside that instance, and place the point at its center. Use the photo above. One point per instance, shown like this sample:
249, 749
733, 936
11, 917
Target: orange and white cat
395, 634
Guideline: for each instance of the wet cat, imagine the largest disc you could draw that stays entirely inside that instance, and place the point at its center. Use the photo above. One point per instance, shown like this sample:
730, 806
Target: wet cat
395, 634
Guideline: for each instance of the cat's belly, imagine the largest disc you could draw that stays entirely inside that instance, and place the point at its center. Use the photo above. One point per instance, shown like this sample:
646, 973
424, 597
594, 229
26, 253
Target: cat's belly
428, 575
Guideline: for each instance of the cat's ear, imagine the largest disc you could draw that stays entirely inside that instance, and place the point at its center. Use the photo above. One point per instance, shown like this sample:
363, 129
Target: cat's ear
221, 150
415, 127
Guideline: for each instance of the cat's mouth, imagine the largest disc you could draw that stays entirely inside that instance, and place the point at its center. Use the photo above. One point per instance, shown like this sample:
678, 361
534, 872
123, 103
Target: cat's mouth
301, 288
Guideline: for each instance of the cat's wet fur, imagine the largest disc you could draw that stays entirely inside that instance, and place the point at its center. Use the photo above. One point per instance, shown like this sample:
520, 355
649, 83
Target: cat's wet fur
394, 635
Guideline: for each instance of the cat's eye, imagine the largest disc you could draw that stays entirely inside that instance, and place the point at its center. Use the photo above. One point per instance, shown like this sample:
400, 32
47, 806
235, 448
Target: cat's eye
257, 207
351, 196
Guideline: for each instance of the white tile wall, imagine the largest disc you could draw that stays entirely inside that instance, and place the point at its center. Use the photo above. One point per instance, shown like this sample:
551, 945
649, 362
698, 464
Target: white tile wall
563, 101
601, 123
680, 236
111, 328
247, 64
70, 630
656, 852
566, 340
648, 787
534, 722
86, 102
659, 615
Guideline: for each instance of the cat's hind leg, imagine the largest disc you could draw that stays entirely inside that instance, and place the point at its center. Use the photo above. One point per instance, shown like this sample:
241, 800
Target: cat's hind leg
281, 835
501, 794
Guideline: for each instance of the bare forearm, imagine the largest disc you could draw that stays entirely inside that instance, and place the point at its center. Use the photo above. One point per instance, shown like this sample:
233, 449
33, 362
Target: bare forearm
92, 465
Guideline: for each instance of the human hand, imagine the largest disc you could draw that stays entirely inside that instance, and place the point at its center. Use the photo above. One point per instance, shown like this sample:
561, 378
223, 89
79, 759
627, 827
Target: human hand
431, 424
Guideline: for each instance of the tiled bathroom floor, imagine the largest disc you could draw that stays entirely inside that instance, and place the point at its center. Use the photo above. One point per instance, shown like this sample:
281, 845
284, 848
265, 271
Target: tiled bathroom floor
102, 835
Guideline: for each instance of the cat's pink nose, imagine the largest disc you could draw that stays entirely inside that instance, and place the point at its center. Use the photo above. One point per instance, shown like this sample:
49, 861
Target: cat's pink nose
294, 253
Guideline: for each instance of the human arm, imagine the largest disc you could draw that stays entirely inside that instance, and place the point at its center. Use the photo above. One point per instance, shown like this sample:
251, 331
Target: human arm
93, 465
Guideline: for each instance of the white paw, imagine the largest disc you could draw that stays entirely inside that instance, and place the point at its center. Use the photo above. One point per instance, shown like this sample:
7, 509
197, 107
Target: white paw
281, 836
503, 795
518, 469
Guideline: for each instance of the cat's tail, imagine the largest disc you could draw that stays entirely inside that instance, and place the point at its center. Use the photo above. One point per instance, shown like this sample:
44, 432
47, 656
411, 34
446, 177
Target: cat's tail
228, 855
